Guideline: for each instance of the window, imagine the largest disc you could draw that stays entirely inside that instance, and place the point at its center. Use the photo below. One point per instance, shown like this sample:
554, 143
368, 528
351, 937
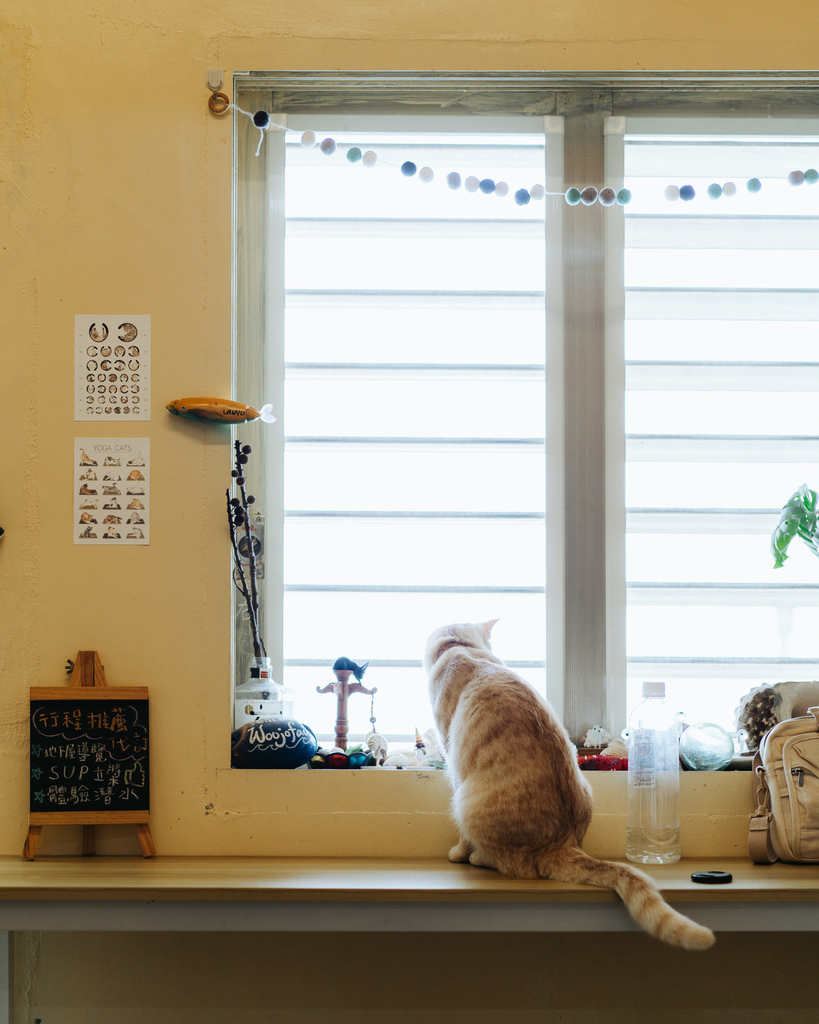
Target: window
581, 420
721, 359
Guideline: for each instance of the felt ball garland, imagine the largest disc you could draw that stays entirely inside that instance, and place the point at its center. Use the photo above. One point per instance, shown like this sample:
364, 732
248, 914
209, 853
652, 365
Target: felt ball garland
589, 195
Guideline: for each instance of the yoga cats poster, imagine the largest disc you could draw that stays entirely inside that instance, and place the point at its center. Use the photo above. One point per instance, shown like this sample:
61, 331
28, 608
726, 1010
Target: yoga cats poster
112, 481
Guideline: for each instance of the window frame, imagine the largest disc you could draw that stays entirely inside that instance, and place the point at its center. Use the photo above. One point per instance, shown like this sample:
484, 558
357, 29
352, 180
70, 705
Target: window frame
587, 116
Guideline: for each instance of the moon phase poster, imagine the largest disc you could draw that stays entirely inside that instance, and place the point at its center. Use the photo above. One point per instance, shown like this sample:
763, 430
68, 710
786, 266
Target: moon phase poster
112, 367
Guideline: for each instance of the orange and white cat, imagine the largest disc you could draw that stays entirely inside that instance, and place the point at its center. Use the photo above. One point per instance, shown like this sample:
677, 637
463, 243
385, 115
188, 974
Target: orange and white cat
519, 799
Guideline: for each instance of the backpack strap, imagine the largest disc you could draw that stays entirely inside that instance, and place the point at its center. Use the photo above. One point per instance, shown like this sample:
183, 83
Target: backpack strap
760, 847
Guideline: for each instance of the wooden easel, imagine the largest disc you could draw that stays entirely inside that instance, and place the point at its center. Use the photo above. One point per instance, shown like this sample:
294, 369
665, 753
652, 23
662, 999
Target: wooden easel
89, 674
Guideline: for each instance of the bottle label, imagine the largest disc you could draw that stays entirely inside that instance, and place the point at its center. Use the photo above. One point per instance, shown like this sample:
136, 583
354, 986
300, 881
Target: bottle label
641, 758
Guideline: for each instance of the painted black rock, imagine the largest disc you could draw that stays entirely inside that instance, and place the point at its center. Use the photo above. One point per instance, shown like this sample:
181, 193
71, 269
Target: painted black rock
272, 743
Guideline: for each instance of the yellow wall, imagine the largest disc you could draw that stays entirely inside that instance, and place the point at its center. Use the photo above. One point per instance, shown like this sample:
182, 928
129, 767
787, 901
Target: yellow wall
115, 193
115, 196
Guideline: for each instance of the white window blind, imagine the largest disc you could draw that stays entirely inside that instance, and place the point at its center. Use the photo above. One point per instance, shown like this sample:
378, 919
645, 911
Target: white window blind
413, 406
722, 369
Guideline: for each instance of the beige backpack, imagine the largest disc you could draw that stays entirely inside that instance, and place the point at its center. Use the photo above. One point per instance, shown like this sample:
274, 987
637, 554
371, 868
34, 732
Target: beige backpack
785, 825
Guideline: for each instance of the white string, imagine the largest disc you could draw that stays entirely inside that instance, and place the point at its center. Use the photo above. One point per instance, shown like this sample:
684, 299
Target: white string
267, 127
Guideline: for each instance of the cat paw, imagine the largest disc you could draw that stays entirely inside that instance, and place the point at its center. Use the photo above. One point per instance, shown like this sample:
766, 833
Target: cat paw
480, 859
460, 853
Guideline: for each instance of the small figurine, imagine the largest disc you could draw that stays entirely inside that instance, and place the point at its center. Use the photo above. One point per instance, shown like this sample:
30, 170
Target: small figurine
343, 668
597, 736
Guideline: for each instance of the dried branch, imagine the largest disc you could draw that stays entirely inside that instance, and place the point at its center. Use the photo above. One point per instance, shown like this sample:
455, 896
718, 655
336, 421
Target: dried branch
238, 519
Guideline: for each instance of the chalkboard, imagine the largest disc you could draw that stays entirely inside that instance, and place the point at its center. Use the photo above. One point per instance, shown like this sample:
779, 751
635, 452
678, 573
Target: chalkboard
89, 754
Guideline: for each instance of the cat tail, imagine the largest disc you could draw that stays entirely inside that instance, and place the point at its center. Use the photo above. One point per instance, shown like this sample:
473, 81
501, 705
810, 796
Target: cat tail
639, 893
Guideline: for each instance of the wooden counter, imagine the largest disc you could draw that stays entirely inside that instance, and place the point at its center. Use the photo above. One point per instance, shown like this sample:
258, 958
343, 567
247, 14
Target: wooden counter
329, 894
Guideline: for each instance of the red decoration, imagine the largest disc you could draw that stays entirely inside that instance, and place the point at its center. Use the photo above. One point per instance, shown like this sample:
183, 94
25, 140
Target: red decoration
602, 763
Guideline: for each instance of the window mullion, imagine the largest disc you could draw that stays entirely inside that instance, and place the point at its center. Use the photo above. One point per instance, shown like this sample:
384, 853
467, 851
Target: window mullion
584, 569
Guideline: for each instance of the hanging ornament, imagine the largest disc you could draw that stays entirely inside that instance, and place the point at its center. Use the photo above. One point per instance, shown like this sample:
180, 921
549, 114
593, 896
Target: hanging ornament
453, 181
472, 184
308, 140
487, 186
714, 191
408, 169
672, 193
537, 192
501, 189
261, 119
588, 197
426, 174
623, 197
572, 196
729, 189
522, 197
607, 196
687, 193
369, 159
796, 178
753, 185
327, 146
811, 176
354, 154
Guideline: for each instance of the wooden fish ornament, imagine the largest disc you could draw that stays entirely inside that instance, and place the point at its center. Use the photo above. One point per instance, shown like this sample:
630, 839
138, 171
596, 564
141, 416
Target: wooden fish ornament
219, 410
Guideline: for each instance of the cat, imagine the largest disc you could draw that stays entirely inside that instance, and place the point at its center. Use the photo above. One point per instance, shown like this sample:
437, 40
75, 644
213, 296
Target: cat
519, 799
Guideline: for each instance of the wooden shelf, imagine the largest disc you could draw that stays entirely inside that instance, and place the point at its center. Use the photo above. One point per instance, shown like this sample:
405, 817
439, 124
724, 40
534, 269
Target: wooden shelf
368, 880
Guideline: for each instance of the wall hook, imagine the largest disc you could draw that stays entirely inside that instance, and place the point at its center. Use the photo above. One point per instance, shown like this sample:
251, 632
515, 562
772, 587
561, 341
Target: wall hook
218, 101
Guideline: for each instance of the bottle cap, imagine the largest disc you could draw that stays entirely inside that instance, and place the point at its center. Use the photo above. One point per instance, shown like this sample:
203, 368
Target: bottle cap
653, 689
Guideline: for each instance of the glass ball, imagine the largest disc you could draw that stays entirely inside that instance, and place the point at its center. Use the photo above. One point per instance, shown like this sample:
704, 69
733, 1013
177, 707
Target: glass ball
706, 747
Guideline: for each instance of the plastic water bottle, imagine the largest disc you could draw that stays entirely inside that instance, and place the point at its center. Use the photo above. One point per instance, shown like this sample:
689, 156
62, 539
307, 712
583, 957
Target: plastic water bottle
653, 817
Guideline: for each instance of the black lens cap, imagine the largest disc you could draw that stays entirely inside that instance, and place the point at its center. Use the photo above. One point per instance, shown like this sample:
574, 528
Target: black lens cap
712, 877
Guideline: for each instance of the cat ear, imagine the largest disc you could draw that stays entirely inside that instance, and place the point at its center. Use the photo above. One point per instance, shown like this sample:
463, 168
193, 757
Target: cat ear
487, 627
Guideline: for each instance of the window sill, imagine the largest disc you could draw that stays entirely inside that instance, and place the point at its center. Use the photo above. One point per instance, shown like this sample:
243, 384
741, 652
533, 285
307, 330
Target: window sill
406, 814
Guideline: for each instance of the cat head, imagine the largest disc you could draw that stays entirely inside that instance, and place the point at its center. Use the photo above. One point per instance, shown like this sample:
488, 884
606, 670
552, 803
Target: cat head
459, 634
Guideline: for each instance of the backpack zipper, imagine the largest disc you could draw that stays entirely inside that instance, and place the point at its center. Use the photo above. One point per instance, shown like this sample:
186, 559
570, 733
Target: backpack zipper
799, 773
